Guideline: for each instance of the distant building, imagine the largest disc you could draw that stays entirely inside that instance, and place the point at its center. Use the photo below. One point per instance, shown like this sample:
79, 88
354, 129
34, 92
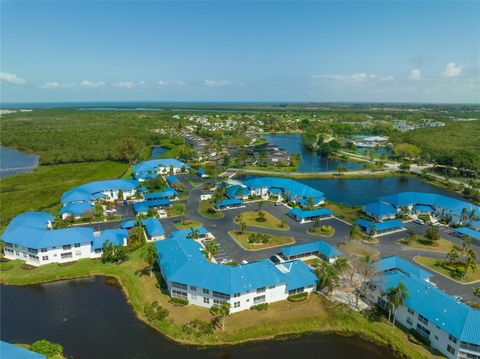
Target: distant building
310, 216
380, 228
151, 169
320, 249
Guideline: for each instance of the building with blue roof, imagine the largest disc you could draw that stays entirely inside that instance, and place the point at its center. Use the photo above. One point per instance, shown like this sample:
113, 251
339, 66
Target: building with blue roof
31, 238
143, 207
172, 180
451, 326
201, 173
443, 207
237, 191
148, 170
11, 351
375, 229
303, 216
199, 232
168, 193
80, 199
320, 249
228, 204
380, 210
288, 189
153, 229
129, 224
189, 275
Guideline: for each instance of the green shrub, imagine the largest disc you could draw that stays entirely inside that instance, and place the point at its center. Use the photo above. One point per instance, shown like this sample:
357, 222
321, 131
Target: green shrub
198, 327
178, 302
26, 266
418, 337
259, 307
300, 297
155, 311
47, 348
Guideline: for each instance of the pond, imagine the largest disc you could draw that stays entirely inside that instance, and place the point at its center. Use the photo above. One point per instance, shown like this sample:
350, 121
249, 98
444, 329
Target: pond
157, 151
13, 161
309, 161
92, 319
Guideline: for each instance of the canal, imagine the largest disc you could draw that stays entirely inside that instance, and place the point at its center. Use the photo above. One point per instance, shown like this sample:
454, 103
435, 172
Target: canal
92, 319
13, 161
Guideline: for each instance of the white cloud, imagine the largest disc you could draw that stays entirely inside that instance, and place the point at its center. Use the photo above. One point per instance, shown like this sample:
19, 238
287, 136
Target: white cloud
91, 85
415, 74
124, 85
171, 83
12, 78
356, 77
452, 70
55, 84
217, 83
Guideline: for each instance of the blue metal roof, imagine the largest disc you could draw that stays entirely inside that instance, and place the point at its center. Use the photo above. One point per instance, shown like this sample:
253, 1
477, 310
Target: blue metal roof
30, 229
115, 236
379, 209
453, 205
128, 224
149, 169
153, 227
423, 208
158, 203
172, 179
293, 189
182, 261
379, 226
11, 351
201, 171
228, 202
312, 213
274, 190
441, 309
186, 233
234, 191
140, 207
76, 208
297, 274
167, 193
394, 262
468, 232
93, 190
318, 246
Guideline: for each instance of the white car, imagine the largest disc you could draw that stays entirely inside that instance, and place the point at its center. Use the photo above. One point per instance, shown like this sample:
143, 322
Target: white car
419, 221
244, 262
225, 261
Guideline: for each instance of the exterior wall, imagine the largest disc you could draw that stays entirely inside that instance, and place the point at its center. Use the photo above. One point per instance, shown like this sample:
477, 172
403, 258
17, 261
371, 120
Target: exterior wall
155, 238
165, 170
113, 195
205, 196
243, 301
439, 339
51, 254
311, 219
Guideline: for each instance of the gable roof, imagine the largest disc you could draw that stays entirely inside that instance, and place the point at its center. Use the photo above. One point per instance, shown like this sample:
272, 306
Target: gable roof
294, 188
379, 226
115, 236
379, 209
153, 227
149, 169
318, 246
312, 213
394, 262
93, 190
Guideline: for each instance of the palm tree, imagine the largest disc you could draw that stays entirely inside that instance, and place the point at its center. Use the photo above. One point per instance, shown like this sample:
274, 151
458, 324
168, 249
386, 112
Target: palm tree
309, 202
328, 276
243, 227
473, 216
223, 311
211, 249
341, 169
355, 233
260, 207
401, 294
467, 243
411, 236
470, 263
464, 215
373, 231
454, 254
194, 233
150, 256
476, 293
390, 295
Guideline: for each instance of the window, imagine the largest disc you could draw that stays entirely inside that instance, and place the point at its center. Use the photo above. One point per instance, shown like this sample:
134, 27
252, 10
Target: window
452, 339
31, 250
206, 291
66, 255
422, 319
236, 304
43, 250
77, 245
206, 300
8, 244
271, 287
179, 285
192, 287
409, 321
236, 295
259, 299
221, 295
450, 349
261, 290
67, 247
436, 338
45, 258
423, 331
295, 291
217, 302
410, 311
179, 294
78, 253
470, 346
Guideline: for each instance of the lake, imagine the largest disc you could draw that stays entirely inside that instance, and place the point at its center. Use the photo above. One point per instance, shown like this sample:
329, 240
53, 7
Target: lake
309, 161
357, 192
13, 161
92, 319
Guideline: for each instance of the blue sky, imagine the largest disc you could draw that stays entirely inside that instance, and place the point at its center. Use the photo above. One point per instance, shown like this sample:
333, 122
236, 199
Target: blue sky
399, 51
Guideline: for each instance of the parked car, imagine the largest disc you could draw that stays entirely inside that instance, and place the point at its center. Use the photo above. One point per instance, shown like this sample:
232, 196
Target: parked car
419, 221
244, 262
278, 203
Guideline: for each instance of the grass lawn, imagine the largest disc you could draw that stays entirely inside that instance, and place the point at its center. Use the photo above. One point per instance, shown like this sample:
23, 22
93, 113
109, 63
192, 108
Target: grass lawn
271, 168
176, 210
359, 248
314, 262
433, 264
271, 222
194, 183
320, 232
442, 245
42, 189
316, 314
275, 241
203, 207
187, 224
345, 212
